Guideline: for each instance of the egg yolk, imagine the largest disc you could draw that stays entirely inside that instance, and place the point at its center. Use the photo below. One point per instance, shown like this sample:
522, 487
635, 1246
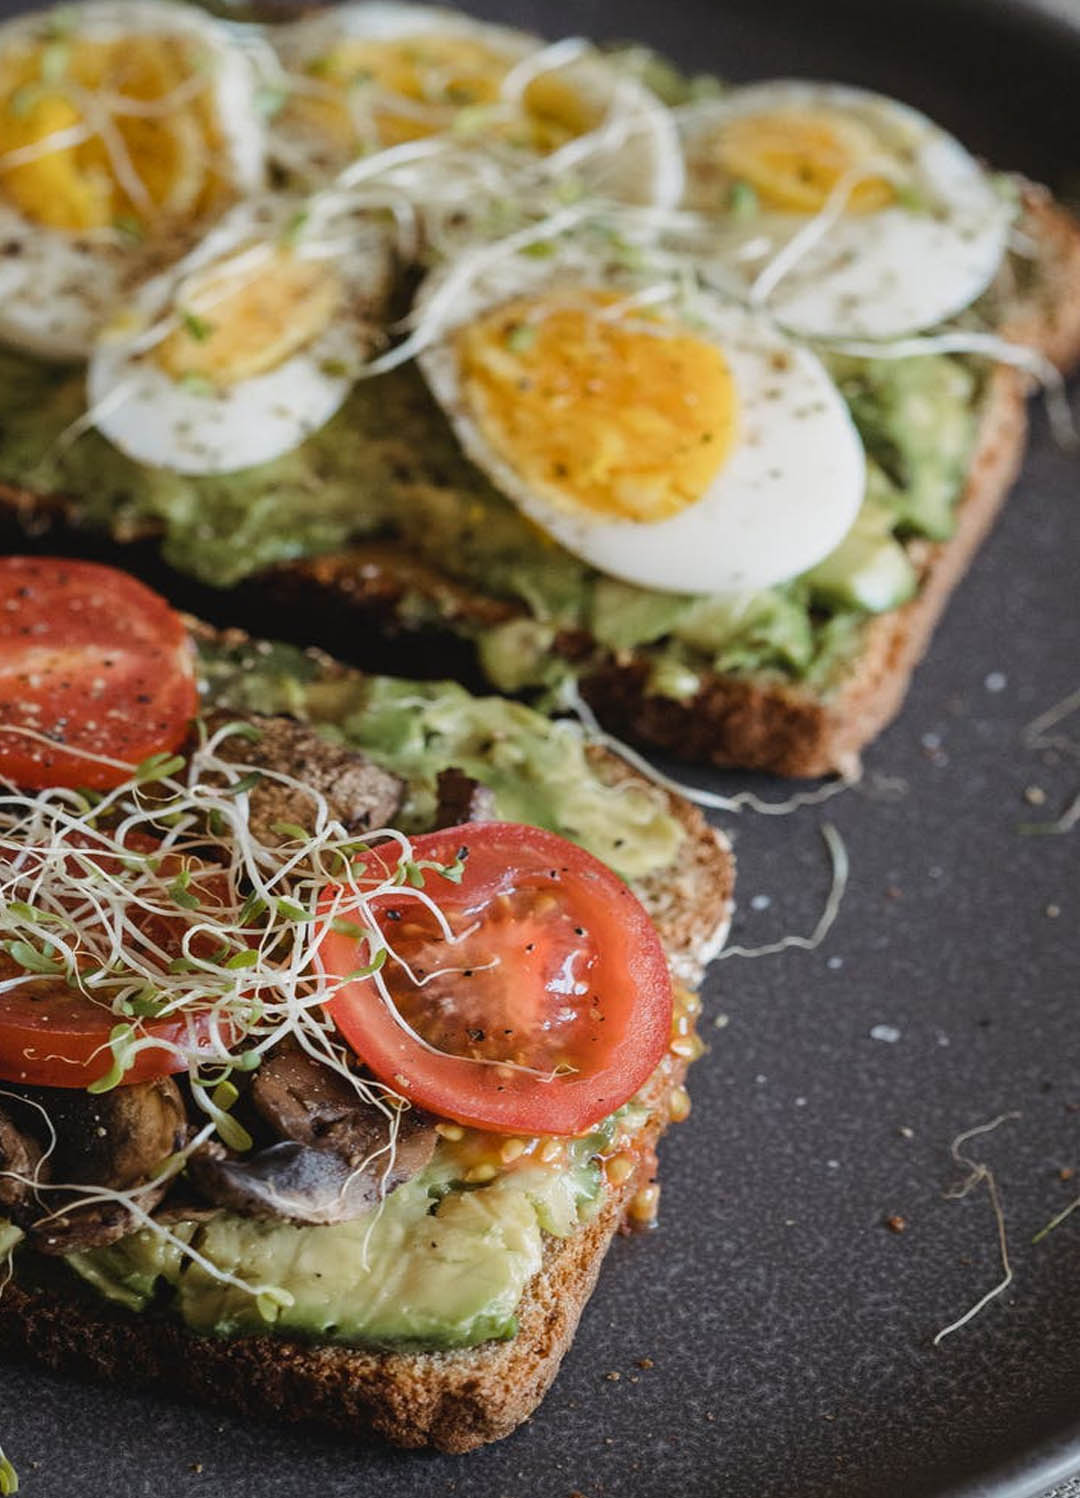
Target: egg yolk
623, 414
108, 134
414, 87
234, 324
794, 160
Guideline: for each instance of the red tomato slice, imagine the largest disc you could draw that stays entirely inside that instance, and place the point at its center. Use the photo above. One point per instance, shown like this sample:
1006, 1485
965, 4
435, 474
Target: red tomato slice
53, 1036
94, 661
558, 966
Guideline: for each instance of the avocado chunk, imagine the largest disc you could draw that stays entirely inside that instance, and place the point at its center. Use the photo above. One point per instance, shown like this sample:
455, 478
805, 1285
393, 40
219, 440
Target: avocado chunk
437, 1265
869, 569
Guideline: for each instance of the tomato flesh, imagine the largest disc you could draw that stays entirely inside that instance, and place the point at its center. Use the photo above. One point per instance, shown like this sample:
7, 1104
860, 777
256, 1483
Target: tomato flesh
95, 663
549, 1009
51, 1035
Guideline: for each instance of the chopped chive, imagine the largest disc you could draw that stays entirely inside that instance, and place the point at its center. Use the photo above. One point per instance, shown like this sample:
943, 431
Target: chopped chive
54, 61
742, 201
195, 326
197, 384
131, 227
521, 337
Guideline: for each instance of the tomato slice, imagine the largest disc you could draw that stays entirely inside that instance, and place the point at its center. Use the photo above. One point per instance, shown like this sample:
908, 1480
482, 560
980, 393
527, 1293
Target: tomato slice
556, 967
95, 662
51, 1035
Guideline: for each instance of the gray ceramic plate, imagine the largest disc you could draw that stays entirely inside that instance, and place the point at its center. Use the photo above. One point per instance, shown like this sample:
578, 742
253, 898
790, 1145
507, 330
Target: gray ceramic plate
789, 1330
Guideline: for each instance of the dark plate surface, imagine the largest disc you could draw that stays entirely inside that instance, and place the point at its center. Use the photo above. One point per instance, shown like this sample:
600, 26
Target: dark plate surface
790, 1331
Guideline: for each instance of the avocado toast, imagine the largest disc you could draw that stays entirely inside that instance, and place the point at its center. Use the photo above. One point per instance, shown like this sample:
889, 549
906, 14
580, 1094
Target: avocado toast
424, 1283
379, 529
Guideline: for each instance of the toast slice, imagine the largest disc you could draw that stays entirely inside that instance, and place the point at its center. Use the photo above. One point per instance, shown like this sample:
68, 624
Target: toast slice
454, 1400
410, 616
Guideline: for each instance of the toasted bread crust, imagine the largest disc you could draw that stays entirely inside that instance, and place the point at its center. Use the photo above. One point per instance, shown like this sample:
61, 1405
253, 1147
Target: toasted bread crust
453, 1400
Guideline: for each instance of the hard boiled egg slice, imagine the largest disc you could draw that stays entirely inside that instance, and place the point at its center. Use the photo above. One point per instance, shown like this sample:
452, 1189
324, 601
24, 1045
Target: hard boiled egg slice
246, 347
123, 124
843, 212
362, 78
698, 454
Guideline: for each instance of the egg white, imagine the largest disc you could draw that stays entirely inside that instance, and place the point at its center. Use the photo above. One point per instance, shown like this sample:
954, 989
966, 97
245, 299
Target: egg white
639, 161
56, 287
871, 275
165, 423
785, 497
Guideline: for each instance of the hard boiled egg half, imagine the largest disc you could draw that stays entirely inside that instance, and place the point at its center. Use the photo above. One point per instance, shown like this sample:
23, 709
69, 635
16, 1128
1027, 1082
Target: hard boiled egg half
246, 346
123, 124
363, 78
691, 450
843, 212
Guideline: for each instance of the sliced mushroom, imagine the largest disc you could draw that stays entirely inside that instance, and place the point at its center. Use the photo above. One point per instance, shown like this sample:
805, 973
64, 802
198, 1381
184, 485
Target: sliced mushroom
462, 799
334, 1158
118, 1140
20, 1163
300, 1184
360, 795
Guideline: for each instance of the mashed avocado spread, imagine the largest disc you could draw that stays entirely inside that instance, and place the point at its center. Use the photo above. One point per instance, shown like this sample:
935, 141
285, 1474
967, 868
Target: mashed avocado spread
388, 466
445, 1260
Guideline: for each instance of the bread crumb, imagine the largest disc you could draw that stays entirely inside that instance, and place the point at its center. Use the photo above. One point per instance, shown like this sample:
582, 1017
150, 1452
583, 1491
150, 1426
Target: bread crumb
906, 1132
1066, 1173
614, 1376
645, 1363
1035, 795
1053, 911
896, 1223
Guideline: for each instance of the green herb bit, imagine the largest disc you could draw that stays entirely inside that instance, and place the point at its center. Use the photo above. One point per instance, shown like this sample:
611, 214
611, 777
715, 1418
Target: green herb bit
195, 326
743, 201
124, 1047
247, 1061
24, 100
294, 227
541, 249
270, 101
334, 369
54, 62
197, 384
130, 227
521, 337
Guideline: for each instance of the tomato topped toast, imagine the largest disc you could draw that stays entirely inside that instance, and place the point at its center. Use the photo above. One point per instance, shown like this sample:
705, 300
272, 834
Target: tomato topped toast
337, 1114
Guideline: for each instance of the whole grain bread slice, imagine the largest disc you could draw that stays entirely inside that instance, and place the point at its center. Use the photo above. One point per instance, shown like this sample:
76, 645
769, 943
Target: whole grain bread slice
453, 1400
